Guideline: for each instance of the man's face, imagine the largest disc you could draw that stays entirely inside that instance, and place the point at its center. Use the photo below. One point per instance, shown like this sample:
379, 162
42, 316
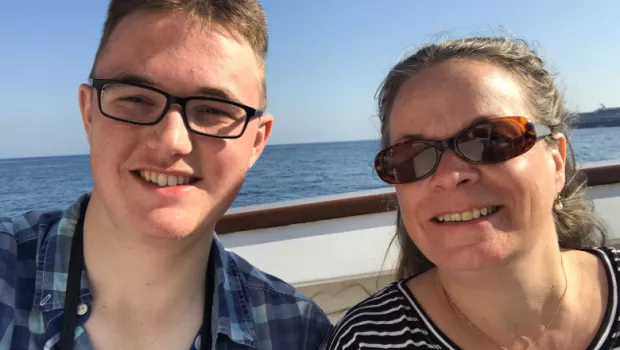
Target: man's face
183, 58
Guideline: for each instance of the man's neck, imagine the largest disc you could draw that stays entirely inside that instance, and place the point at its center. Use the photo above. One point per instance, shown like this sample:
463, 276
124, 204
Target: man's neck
131, 273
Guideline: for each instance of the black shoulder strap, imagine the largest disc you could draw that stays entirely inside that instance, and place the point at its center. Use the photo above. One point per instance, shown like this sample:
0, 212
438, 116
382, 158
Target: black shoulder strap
206, 336
72, 293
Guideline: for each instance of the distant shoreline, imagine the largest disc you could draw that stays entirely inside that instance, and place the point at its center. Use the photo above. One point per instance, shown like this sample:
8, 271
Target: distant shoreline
580, 124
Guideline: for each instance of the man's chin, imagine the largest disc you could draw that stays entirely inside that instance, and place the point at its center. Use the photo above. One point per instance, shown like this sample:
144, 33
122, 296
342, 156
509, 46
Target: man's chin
171, 224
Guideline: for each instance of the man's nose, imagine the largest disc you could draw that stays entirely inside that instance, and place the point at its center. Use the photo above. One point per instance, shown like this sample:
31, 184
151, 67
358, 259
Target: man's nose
171, 135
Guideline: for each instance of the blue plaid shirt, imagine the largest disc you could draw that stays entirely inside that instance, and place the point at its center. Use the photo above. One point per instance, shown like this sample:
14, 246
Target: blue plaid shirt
252, 310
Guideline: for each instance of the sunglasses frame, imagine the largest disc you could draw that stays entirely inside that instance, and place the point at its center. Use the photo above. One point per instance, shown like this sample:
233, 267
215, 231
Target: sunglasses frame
531, 131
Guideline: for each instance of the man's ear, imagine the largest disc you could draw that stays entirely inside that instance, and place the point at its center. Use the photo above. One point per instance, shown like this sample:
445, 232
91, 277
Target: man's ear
265, 125
85, 98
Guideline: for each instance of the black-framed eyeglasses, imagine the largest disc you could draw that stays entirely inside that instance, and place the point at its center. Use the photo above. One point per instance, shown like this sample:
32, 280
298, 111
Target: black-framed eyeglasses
489, 141
140, 104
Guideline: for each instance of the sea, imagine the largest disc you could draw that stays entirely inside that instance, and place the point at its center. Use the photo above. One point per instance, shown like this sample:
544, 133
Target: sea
284, 172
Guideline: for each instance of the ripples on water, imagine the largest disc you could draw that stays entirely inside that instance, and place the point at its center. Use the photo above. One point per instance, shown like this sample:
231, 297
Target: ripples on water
284, 172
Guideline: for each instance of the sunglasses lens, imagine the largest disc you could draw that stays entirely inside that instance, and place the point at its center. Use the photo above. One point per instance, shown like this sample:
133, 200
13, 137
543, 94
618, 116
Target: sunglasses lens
496, 141
408, 162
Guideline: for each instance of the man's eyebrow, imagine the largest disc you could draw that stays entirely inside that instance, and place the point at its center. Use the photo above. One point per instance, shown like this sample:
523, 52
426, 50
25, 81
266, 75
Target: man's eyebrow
222, 93
134, 78
218, 92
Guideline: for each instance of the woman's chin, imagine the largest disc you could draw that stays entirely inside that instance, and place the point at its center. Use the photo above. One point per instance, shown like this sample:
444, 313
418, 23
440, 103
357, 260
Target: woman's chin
473, 256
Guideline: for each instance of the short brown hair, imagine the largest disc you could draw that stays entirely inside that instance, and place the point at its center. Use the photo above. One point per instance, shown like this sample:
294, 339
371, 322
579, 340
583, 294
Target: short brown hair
576, 225
245, 18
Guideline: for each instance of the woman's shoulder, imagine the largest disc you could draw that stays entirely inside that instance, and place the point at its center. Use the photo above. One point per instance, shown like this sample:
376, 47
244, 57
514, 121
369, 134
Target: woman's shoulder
381, 318
604, 249
602, 261
605, 271
388, 296
610, 255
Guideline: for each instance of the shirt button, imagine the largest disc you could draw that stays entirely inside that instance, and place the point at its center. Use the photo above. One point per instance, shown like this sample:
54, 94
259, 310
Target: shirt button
82, 309
198, 342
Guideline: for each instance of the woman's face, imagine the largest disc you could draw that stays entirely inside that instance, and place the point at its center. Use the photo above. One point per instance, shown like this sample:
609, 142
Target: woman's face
517, 194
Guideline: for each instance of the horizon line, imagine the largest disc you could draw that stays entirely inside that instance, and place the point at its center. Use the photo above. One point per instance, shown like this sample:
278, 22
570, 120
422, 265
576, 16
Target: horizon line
268, 145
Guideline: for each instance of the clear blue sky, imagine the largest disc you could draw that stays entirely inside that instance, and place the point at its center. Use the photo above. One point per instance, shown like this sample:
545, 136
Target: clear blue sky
326, 59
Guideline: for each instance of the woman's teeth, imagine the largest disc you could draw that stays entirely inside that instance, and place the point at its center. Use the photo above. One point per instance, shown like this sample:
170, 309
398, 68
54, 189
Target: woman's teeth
467, 215
163, 179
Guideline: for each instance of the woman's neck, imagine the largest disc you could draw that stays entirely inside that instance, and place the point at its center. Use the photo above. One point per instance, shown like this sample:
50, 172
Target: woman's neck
510, 302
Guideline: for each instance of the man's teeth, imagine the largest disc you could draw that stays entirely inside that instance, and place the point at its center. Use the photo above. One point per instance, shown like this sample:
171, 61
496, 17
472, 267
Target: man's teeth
164, 180
467, 215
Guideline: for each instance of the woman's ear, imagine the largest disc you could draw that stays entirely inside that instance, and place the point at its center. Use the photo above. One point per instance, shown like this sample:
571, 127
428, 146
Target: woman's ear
558, 153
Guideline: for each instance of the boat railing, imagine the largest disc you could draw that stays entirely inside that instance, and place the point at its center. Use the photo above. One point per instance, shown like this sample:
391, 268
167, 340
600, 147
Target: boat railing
357, 203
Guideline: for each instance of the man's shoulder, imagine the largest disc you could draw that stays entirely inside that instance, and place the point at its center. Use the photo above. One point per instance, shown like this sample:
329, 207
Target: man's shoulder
257, 280
30, 226
20, 243
279, 305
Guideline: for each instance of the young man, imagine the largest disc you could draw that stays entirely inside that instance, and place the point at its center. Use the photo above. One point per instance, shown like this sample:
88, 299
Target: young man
173, 119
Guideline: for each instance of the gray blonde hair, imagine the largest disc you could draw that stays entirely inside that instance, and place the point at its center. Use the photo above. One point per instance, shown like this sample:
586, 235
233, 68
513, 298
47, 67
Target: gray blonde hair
576, 225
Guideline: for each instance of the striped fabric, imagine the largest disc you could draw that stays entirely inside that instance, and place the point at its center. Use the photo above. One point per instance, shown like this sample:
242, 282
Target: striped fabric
393, 318
252, 310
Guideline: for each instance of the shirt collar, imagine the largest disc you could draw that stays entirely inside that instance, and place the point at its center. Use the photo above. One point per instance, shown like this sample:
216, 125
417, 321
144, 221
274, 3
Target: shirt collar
233, 311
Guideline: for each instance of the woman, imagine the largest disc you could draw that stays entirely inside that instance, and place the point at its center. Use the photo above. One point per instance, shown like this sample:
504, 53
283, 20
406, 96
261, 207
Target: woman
496, 238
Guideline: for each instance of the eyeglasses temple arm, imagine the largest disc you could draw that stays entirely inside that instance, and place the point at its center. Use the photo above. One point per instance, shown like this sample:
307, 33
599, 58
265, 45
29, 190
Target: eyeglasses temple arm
542, 130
